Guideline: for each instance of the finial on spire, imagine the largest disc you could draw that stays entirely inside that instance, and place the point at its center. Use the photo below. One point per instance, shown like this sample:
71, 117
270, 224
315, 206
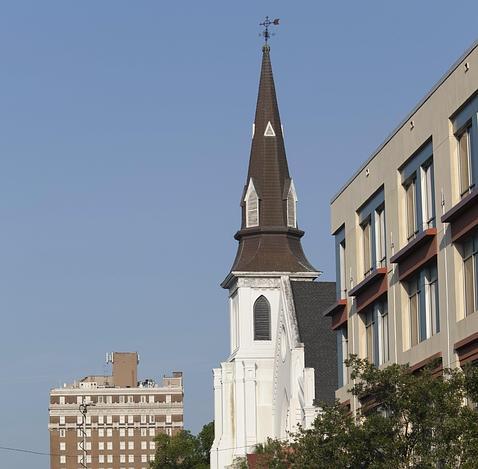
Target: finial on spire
267, 23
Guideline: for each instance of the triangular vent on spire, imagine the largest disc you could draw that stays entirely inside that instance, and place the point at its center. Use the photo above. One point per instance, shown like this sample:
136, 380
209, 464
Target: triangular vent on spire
269, 131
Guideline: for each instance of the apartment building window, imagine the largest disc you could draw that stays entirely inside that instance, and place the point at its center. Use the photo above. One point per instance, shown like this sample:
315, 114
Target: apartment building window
342, 354
380, 236
410, 191
143, 399
470, 274
384, 348
152, 432
62, 420
465, 129
151, 399
370, 336
464, 161
417, 177
367, 246
122, 445
428, 194
62, 400
341, 268
101, 432
62, 446
373, 232
62, 433
130, 444
423, 305
130, 431
130, 400
377, 333
62, 459
130, 419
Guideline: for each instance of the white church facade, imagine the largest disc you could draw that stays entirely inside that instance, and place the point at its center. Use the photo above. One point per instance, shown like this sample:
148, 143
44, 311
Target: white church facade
282, 360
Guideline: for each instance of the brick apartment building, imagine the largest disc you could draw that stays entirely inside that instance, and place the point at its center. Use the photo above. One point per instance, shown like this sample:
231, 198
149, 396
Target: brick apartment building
122, 419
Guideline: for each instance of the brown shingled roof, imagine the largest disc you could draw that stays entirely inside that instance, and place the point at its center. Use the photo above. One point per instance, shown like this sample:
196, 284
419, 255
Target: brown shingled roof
272, 246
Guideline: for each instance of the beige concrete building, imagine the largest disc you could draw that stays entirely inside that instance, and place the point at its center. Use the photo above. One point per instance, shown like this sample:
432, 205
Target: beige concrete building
406, 237
122, 418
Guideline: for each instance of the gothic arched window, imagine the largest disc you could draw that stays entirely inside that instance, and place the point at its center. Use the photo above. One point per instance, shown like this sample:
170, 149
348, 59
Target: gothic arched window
252, 206
291, 207
262, 319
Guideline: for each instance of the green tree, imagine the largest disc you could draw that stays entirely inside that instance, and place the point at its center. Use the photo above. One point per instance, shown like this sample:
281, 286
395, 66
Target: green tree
406, 420
184, 450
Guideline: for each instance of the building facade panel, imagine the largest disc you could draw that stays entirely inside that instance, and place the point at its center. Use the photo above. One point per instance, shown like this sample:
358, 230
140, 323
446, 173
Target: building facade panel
428, 172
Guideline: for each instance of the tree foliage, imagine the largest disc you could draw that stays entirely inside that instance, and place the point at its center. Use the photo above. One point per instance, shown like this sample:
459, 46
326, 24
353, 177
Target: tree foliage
184, 450
406, 420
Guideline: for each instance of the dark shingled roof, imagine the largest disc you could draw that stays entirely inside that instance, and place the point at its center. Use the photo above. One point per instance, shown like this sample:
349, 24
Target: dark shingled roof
272, 246
311, 299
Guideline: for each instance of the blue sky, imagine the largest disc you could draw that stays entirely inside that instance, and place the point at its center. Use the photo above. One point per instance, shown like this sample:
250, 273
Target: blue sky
124, 141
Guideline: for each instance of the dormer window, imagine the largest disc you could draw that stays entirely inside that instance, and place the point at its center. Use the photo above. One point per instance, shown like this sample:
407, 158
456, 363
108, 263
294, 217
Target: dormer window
252, 206
292, 207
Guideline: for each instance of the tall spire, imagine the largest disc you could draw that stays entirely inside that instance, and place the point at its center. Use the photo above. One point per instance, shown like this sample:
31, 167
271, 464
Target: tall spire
269, 240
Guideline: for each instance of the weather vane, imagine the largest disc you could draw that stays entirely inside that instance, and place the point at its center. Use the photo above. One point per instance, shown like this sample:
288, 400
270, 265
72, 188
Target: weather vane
267, 23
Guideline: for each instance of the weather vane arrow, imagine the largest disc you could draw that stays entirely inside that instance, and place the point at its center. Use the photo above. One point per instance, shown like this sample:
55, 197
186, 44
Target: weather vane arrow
267, 23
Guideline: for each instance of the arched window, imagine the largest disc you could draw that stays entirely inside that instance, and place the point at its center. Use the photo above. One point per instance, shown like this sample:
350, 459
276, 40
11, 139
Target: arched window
262, 319
291, 207
252, 206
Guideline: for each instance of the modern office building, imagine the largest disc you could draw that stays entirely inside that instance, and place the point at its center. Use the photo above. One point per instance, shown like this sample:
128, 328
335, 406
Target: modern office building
406, 236
122, 417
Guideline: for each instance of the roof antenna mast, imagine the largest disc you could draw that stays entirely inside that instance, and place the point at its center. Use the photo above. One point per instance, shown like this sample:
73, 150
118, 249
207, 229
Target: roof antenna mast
267, 23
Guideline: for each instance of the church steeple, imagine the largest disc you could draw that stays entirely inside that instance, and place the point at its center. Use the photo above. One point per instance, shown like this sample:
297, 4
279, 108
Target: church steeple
269, 240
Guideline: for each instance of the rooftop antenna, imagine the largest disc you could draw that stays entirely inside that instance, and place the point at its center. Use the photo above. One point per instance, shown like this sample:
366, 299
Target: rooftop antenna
267, 23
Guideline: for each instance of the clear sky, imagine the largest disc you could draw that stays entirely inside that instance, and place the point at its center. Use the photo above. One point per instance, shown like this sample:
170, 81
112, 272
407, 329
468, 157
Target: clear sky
125, 133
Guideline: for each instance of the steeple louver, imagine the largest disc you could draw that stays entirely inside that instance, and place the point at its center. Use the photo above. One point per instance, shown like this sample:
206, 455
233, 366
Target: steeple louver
273, 243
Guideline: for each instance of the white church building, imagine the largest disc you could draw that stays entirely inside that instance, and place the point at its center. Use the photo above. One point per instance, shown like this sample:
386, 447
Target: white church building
283, 359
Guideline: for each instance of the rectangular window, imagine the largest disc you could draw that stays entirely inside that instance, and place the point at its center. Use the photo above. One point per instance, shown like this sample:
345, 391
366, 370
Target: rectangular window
464, 161
62, 433
371, 217
62, 400
470, 274
342, 355
122, 445
428, 195
410, 191
423, 305
342, 271
130, 444
414, 305
380, 244
369, 336
367, 247
62, 459
62, 446
383, 336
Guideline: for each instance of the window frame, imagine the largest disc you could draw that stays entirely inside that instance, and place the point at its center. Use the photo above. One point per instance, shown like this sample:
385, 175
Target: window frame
367, 214
262, 301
